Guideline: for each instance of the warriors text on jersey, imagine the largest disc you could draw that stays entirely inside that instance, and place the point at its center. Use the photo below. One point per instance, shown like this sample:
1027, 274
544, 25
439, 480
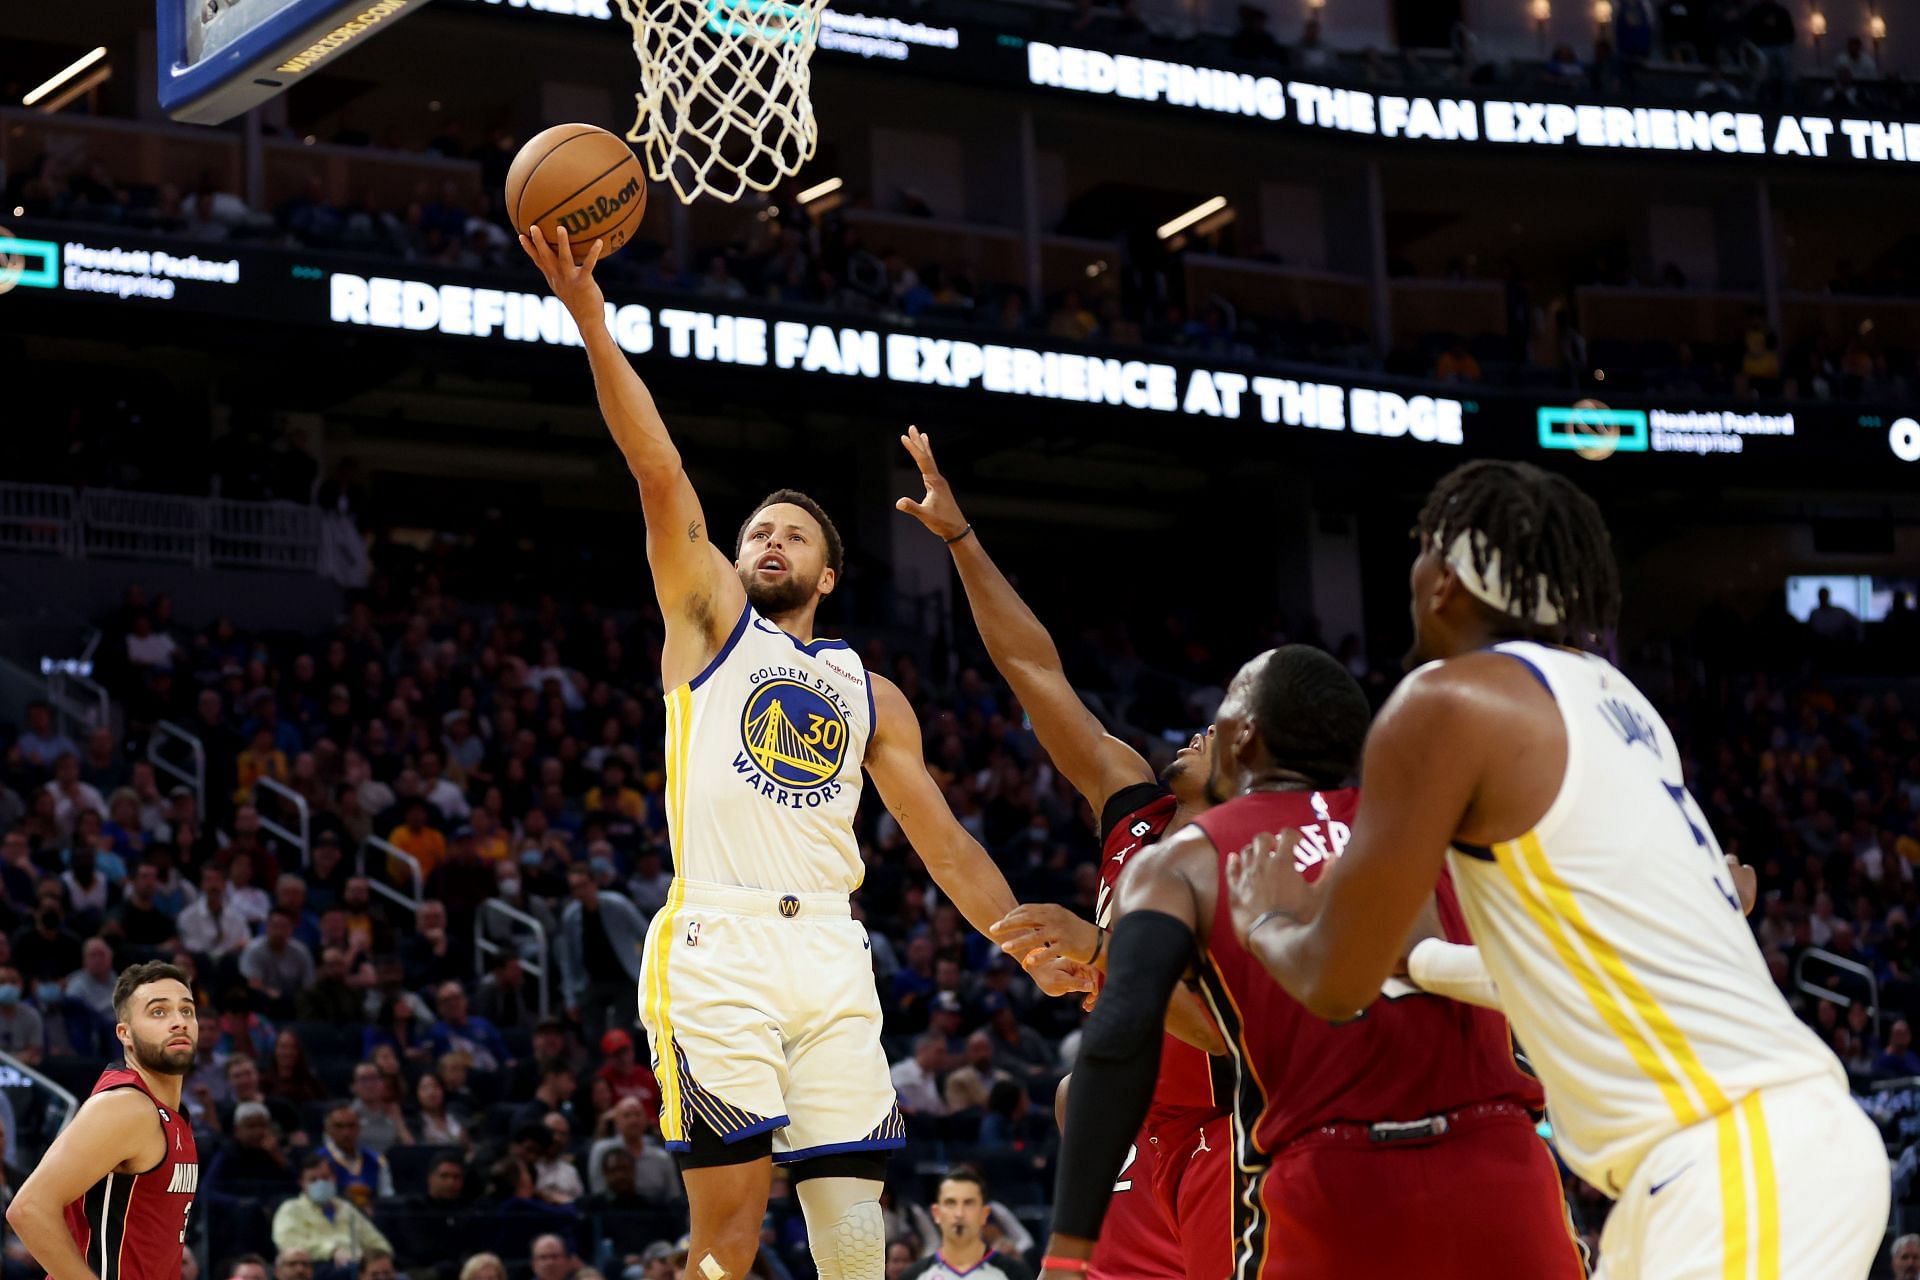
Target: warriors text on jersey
1615, 937
764, 750
130, 1226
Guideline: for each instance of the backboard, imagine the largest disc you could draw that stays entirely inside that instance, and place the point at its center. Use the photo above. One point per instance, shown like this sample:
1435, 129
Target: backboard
218, 58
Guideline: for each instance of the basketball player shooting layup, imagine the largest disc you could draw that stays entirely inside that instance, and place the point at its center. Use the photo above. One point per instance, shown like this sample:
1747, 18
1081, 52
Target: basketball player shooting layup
1171, 1216
757, 984
109, 1201
1679, 1080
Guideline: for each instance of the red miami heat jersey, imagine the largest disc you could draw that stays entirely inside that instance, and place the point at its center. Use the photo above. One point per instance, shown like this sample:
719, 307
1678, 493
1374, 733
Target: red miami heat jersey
1138, 1241
130, 1226
1408, 1056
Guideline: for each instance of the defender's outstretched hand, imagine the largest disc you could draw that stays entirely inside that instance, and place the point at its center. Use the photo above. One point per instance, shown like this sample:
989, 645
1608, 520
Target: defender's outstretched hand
572, 282
937, 510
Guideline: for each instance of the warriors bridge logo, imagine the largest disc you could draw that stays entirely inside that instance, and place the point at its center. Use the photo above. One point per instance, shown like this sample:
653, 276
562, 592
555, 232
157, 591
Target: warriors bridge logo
796, 736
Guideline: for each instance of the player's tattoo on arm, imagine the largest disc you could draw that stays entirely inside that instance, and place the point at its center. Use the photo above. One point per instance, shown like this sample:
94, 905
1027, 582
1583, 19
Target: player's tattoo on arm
693, 531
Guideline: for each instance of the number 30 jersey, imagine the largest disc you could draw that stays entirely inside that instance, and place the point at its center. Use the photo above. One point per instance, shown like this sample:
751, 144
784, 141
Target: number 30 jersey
1614, 935
764, 750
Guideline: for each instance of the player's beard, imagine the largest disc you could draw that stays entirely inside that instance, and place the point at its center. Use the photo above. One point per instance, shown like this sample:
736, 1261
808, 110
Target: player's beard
776, 597
161, 1060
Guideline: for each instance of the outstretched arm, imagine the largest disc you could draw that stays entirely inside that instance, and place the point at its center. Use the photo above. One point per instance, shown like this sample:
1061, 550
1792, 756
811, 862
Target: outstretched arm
1153, 943
693, 579
955, 860
1093, 760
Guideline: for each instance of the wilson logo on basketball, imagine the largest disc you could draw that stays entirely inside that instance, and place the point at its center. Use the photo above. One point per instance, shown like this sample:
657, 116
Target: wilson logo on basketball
602, 209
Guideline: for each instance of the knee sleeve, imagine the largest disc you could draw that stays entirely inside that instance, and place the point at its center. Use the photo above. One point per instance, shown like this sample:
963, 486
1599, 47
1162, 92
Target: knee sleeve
845, 1229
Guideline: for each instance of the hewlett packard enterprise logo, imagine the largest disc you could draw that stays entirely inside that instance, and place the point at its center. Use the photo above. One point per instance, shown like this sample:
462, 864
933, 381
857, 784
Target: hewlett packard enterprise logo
28, 264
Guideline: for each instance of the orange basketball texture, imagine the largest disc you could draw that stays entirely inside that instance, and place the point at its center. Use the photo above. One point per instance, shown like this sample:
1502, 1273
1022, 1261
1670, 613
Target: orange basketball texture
583, 178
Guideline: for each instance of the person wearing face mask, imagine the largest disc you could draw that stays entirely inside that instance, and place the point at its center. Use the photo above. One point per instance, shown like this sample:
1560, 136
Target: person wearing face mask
323, 1222
601, 934
22, 1033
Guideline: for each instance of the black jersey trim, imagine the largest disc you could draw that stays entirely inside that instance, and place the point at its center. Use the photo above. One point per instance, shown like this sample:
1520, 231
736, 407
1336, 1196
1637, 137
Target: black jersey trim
1125, 802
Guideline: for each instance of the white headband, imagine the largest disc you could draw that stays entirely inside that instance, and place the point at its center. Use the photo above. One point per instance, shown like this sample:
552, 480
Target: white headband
1486, 585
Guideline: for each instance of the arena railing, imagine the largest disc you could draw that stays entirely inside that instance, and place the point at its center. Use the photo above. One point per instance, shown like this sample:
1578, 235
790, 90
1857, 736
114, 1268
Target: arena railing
303, 836
79, 702
1853, 967
483, 946
39, 517
59, 1099
204, 533
379, 885
165, 732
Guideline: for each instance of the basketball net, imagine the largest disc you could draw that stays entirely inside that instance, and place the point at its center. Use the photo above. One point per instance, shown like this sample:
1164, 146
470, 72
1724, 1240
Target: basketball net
724, 105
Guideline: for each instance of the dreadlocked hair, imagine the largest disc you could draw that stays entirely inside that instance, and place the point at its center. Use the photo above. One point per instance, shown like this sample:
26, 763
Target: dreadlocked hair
1549, 536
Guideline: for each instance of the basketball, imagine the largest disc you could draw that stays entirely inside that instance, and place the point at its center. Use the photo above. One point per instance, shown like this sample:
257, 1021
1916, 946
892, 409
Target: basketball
583, 178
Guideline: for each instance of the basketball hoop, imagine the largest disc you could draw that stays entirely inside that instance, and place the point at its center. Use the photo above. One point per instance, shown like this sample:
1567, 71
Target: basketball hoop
723, 102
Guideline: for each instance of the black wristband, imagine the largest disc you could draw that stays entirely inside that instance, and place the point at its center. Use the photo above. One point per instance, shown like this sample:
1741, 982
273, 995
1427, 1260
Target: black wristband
1118, 1064
963, 533
1099, 945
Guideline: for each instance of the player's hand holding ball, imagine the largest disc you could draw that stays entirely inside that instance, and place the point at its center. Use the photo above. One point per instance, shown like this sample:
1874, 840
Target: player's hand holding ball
938, 510
1265, 890
572, 282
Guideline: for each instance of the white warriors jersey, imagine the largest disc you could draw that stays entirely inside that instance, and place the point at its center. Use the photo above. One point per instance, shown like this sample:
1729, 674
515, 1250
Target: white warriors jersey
1615, 937
764, 750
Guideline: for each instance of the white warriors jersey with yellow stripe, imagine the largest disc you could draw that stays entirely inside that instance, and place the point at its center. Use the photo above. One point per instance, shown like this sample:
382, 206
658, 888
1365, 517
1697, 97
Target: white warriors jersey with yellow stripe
764, 750
1615, 937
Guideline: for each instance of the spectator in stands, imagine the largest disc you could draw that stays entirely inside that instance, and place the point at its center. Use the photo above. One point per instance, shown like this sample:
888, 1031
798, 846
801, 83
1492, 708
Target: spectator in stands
1563, 69
71, 796
1899, 1059
600, 939
377, 1265
1831, 622
427, 955
555, 1178
322, 1221
1007, 1124
86, 1004
147, 648
1018, 1049
435, 1122
916, 1079
250, 898
277, 965
1857, 60
22, 1033
1904, 1257
1457, 364
415, 838
944, 1012
291, 1075
47, 951
362, 1175
261, 760
457, 1029
656, 1179
101, 766
1769, 26
213, 926
553, 1095
88, 891
243, 1080
382, 1126
1251, 41
254, 1163
502, 997
553, 1259
483, 1266
40, 742
248, 1266
970, 1085
292, 1264
143, 925
290, 895
624, 1074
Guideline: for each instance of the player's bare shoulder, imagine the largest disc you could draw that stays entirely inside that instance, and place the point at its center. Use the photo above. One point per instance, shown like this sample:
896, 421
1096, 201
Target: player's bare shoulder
1471, 693
121, 1124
